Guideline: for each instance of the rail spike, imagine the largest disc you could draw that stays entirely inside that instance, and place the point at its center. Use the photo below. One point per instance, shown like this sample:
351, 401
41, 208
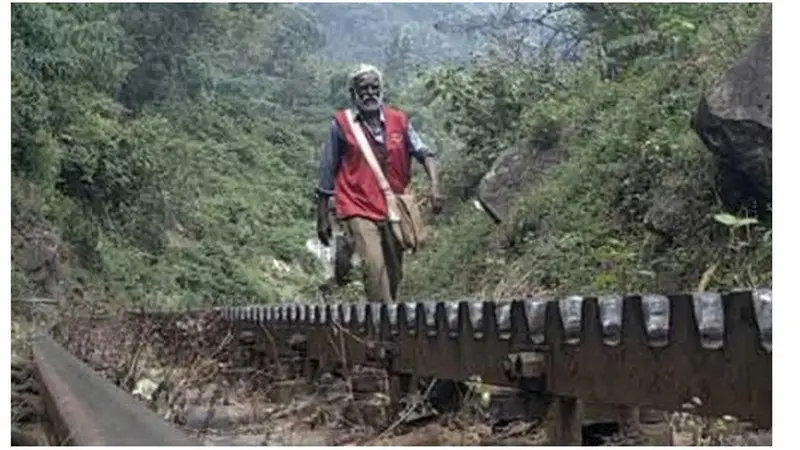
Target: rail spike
611, 318
710, 318
361, 314
430, 315
393, 320
375, 314
571, 309
291, 310
312, 314
502, 317
476, 316
535, 319
451, 312
347, 313
656, 310
252, 313
411, 316
762, 303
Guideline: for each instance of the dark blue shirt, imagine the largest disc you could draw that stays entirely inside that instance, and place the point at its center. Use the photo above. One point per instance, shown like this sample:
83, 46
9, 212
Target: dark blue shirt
336, 145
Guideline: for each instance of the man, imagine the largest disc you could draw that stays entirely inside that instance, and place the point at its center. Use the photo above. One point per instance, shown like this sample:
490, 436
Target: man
345, 174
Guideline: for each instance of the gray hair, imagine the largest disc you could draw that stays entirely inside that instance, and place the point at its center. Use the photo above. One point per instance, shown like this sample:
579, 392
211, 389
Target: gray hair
360, 70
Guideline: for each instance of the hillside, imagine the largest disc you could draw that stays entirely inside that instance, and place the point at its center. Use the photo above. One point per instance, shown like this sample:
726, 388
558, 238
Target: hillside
166, 154
634, 202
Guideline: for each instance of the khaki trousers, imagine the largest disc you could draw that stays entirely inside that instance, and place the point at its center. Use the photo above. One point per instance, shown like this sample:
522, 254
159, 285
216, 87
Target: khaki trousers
381, 257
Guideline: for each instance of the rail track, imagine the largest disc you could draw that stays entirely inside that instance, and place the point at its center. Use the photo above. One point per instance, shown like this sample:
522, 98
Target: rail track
653, 352
83, 408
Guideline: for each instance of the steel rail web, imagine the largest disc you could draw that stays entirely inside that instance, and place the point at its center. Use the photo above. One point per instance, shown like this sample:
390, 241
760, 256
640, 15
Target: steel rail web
87, 409
651, 351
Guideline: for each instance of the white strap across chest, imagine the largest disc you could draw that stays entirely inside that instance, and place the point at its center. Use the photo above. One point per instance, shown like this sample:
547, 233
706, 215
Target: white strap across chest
369, 155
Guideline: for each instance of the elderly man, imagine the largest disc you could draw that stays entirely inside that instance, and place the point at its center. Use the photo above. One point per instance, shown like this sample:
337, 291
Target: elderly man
345, 173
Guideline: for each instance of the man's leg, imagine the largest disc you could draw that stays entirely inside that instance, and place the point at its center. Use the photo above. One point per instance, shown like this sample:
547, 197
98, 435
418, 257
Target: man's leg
394, 259
367, 240
343, 257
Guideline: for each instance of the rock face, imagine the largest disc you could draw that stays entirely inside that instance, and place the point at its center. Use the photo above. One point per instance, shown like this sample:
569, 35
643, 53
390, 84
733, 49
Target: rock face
734, 120
512, 172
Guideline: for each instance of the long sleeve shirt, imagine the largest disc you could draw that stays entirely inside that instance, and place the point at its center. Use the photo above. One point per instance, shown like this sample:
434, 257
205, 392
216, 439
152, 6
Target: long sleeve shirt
335, 146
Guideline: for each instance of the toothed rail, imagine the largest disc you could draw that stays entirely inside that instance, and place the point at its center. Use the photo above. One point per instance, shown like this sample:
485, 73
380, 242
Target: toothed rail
651, 351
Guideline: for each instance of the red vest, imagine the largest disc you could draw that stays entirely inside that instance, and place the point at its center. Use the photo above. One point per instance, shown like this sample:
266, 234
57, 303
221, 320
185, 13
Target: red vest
357, 191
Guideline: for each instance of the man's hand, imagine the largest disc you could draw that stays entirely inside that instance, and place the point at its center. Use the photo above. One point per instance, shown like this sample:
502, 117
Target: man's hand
324, 229
437, 201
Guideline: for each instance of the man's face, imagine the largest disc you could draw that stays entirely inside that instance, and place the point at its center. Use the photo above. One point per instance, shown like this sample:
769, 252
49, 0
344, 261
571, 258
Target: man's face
367, 92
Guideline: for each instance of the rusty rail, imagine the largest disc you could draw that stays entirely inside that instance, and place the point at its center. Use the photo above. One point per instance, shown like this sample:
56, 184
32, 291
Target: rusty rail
649, 351
86, 409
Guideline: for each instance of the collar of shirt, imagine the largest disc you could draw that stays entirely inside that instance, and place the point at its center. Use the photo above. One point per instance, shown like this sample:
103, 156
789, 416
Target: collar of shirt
375, 131
382, 115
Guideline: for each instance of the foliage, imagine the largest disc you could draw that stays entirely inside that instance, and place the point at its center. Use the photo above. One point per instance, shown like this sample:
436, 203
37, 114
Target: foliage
170, 151
631, 207
172, 170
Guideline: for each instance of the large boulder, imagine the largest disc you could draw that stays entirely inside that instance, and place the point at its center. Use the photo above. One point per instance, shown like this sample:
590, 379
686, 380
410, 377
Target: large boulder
512, 173
734, 120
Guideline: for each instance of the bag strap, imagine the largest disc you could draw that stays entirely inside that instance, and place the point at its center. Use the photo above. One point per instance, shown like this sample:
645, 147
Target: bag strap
369, 155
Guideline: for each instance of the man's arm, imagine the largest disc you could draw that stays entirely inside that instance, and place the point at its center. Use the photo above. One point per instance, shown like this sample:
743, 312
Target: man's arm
424, 156
328, 167
329, 162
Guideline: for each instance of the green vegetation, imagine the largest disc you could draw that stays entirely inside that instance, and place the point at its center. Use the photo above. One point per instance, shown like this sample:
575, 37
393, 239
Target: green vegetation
162, 144
632, 207
166, 154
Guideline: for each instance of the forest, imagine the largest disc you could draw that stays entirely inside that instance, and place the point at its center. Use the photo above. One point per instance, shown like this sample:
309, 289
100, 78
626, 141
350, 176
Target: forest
166, 154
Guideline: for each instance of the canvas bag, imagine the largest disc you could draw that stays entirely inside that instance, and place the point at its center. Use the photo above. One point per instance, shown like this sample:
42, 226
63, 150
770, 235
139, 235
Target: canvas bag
404, 214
